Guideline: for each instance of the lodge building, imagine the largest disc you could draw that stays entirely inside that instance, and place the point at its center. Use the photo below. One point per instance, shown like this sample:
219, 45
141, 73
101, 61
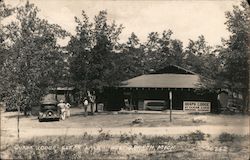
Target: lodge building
172, 85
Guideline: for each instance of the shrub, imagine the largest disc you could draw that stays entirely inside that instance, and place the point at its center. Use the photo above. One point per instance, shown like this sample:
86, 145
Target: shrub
103, 136
193, 137
156, 141
126, 138
197, 136
86, 136
226, 137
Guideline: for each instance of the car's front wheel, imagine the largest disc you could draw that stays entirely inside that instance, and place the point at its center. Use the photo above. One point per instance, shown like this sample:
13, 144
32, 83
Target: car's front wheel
40, 120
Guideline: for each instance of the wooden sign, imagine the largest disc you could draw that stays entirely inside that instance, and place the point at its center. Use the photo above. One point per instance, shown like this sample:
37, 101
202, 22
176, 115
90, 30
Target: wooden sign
196, 106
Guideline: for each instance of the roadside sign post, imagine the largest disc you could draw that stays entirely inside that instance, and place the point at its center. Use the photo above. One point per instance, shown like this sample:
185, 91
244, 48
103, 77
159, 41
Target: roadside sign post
19, 92
18, 114
170, 105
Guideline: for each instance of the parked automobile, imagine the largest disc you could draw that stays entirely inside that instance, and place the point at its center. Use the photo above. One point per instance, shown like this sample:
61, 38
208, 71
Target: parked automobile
49, 111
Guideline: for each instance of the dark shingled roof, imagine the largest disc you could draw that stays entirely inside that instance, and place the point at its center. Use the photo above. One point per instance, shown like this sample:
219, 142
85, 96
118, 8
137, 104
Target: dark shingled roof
163, 81
171, 76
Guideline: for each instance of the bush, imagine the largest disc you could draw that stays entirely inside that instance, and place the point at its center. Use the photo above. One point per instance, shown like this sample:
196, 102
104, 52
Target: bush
125, 138
103, 136
226, 137
193, 137
197, 136
156, 140
86, 136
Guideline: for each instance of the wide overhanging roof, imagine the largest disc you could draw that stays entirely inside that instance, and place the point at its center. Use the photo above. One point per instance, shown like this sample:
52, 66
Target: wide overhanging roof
163, 81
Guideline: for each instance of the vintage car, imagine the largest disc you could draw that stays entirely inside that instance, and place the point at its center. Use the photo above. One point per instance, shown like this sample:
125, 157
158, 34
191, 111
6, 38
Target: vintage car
49, 111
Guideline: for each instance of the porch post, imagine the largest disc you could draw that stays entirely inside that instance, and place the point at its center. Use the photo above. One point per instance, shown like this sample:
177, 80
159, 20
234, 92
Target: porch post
170, 100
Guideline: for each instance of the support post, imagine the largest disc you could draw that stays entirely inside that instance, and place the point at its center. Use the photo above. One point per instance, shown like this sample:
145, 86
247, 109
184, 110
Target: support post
19, 92
18, 114
170, 105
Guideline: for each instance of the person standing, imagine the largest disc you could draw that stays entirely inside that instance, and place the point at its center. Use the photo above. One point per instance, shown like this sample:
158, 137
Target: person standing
85, 105
67, 108
91, 101
62, 107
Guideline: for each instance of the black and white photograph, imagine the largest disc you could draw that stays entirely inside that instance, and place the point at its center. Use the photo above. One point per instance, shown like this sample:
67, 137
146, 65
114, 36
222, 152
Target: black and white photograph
124, 79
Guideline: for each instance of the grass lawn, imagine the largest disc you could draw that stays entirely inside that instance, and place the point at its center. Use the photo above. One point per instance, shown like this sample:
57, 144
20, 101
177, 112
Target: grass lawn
195, 145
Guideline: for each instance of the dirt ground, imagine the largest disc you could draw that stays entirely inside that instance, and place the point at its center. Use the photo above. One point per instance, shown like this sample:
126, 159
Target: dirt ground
114, 123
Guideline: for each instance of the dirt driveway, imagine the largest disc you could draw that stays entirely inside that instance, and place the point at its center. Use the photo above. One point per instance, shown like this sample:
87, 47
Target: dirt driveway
154, 124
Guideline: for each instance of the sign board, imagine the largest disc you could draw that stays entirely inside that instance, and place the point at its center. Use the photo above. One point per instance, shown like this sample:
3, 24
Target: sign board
196, 106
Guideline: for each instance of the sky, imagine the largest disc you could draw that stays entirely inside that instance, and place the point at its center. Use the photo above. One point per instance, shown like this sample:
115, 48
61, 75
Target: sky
186, 18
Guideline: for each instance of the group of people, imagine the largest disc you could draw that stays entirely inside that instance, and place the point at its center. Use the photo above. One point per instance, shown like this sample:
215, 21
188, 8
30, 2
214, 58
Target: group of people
64, 109
87, 99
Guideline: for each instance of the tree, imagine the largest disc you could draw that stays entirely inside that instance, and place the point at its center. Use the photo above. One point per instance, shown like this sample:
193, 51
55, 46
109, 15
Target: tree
151, 52
130, 61
35, 60
80, 47
162, 50
171, 50
133, 41
199, 57
177, 52
106, 38
234, 52
5, 11
93, 50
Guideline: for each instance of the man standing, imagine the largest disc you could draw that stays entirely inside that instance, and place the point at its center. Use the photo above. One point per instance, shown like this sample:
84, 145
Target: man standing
85, 105
62, 107
91, 101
